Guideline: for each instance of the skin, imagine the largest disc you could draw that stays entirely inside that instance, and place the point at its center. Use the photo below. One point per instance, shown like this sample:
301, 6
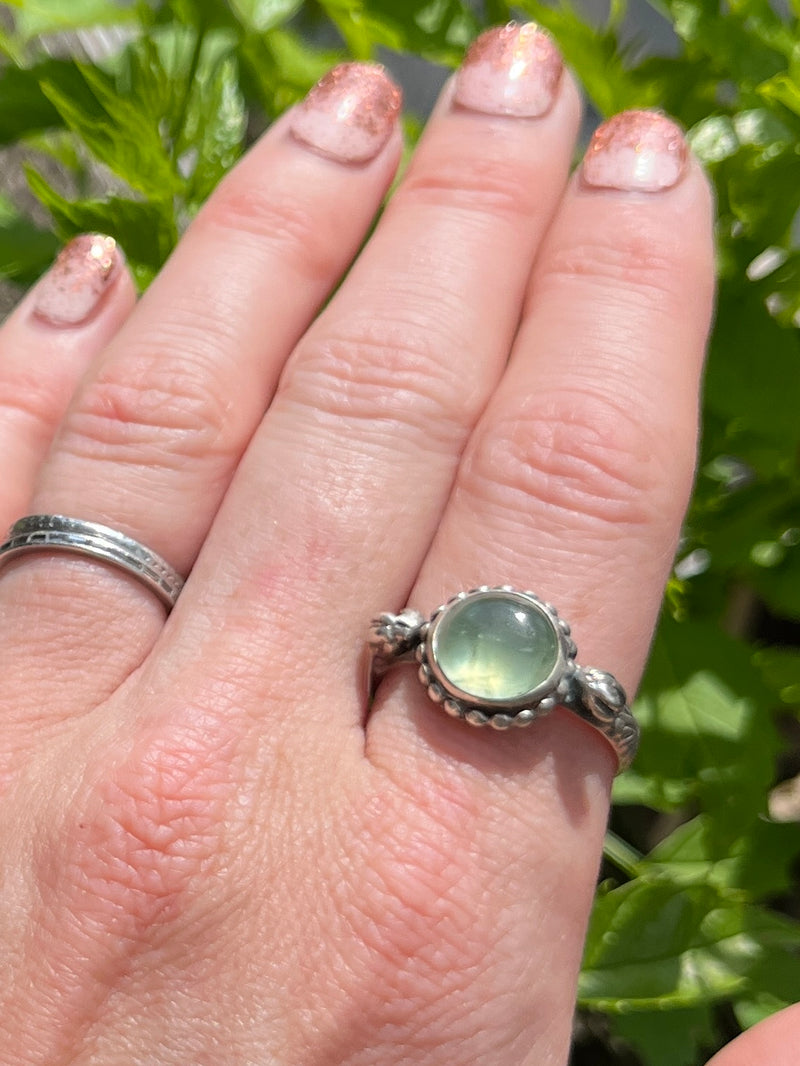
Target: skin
212, 853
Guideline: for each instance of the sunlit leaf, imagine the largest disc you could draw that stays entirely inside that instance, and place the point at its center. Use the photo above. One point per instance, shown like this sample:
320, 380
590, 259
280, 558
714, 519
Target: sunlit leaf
705, 731
36, 17
119, 133
653, 944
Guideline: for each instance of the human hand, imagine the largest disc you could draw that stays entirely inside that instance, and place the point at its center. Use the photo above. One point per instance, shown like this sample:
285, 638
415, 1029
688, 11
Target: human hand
213, 851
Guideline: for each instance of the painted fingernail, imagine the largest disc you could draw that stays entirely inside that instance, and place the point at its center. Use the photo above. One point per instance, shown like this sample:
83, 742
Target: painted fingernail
510, 70
74, 285
637, 151
349, 115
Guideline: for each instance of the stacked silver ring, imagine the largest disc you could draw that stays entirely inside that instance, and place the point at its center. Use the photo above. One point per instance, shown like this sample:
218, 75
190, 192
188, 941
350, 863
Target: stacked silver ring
53, 532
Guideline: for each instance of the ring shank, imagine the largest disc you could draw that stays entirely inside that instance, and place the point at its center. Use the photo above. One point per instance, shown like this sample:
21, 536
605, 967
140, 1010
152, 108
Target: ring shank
61, 533
593, 695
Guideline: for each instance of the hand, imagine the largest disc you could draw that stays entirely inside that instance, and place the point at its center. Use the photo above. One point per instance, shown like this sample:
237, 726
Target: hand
213, 851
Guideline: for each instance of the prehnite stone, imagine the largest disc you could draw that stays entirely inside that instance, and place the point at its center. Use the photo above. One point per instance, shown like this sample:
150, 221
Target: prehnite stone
495, 647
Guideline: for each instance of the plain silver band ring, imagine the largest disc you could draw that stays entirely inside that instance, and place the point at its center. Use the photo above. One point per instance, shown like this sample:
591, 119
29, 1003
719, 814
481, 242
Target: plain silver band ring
55, 532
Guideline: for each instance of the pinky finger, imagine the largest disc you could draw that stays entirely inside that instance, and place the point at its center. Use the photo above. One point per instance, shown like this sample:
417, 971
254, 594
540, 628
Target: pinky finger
46, 344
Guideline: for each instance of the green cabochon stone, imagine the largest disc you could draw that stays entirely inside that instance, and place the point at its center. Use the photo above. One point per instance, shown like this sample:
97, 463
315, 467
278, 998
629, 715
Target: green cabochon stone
495, 646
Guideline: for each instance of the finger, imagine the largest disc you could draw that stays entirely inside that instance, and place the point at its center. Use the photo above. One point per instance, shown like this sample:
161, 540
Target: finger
362, 440
154, 433
46, 344
573, 485
772, 1042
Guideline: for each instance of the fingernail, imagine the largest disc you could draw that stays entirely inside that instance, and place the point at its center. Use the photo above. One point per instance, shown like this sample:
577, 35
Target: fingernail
637, 151
74, 285
510, 70
349, 115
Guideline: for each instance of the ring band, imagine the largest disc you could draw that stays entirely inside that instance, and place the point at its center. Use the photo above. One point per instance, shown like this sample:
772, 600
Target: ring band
502, 657
54, 532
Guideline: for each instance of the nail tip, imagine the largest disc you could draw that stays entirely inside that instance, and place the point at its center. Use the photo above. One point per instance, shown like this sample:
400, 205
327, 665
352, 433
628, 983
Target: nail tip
73, 287
636, 151
349, 115
512, 70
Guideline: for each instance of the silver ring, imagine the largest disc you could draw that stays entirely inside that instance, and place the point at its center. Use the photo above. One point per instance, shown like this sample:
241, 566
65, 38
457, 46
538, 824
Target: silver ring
55, 532
502, 657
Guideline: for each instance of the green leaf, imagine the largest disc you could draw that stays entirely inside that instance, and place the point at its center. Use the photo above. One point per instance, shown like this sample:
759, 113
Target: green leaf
780, 668
774, 985
784, 89
26, 109
202, 15
749, 45
436, 29
213, 123
145, 231
119, 133
25, 250
779, 584
37, 17
667, 1038
260, 16
654, 945
278, 68
755, 858
753, 375
706, 734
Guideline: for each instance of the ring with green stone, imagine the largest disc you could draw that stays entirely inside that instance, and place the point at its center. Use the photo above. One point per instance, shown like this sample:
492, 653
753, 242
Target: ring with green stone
502, 657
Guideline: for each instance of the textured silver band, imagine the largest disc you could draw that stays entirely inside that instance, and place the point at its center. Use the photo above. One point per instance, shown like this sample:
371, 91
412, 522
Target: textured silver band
593, 695
54, 532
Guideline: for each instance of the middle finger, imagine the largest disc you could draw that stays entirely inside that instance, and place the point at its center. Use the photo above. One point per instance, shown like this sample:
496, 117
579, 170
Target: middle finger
362, 440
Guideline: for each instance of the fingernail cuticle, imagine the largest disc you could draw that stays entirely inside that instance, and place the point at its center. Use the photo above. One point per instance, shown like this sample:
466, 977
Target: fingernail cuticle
74, 285
510, 70
636, 151
349, 115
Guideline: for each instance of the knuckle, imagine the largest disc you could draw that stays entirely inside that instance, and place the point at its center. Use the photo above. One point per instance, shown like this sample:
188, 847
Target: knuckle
486, 183
581, 454
134, 845
154, 409
29, 399
626, 257
302, 239
392, 372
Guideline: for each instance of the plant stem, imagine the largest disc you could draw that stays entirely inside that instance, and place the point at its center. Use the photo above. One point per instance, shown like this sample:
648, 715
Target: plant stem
180, 120
622, 854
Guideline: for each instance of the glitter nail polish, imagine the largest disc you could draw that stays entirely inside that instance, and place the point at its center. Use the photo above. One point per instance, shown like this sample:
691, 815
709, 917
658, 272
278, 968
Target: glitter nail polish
636, 151
510, 70
74, 285
349, 115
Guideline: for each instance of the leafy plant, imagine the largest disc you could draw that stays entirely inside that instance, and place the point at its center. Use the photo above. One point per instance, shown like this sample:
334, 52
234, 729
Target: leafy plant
693, 921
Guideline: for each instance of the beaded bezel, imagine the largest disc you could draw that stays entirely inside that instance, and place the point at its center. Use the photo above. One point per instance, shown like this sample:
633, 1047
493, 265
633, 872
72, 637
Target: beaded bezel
497, 713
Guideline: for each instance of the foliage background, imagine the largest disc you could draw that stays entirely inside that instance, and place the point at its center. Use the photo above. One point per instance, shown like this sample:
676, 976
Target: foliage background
695, 931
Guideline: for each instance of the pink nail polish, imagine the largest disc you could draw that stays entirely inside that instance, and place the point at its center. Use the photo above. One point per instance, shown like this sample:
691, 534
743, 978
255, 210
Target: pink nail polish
636, 151
349, 115
510, 70
74, 285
